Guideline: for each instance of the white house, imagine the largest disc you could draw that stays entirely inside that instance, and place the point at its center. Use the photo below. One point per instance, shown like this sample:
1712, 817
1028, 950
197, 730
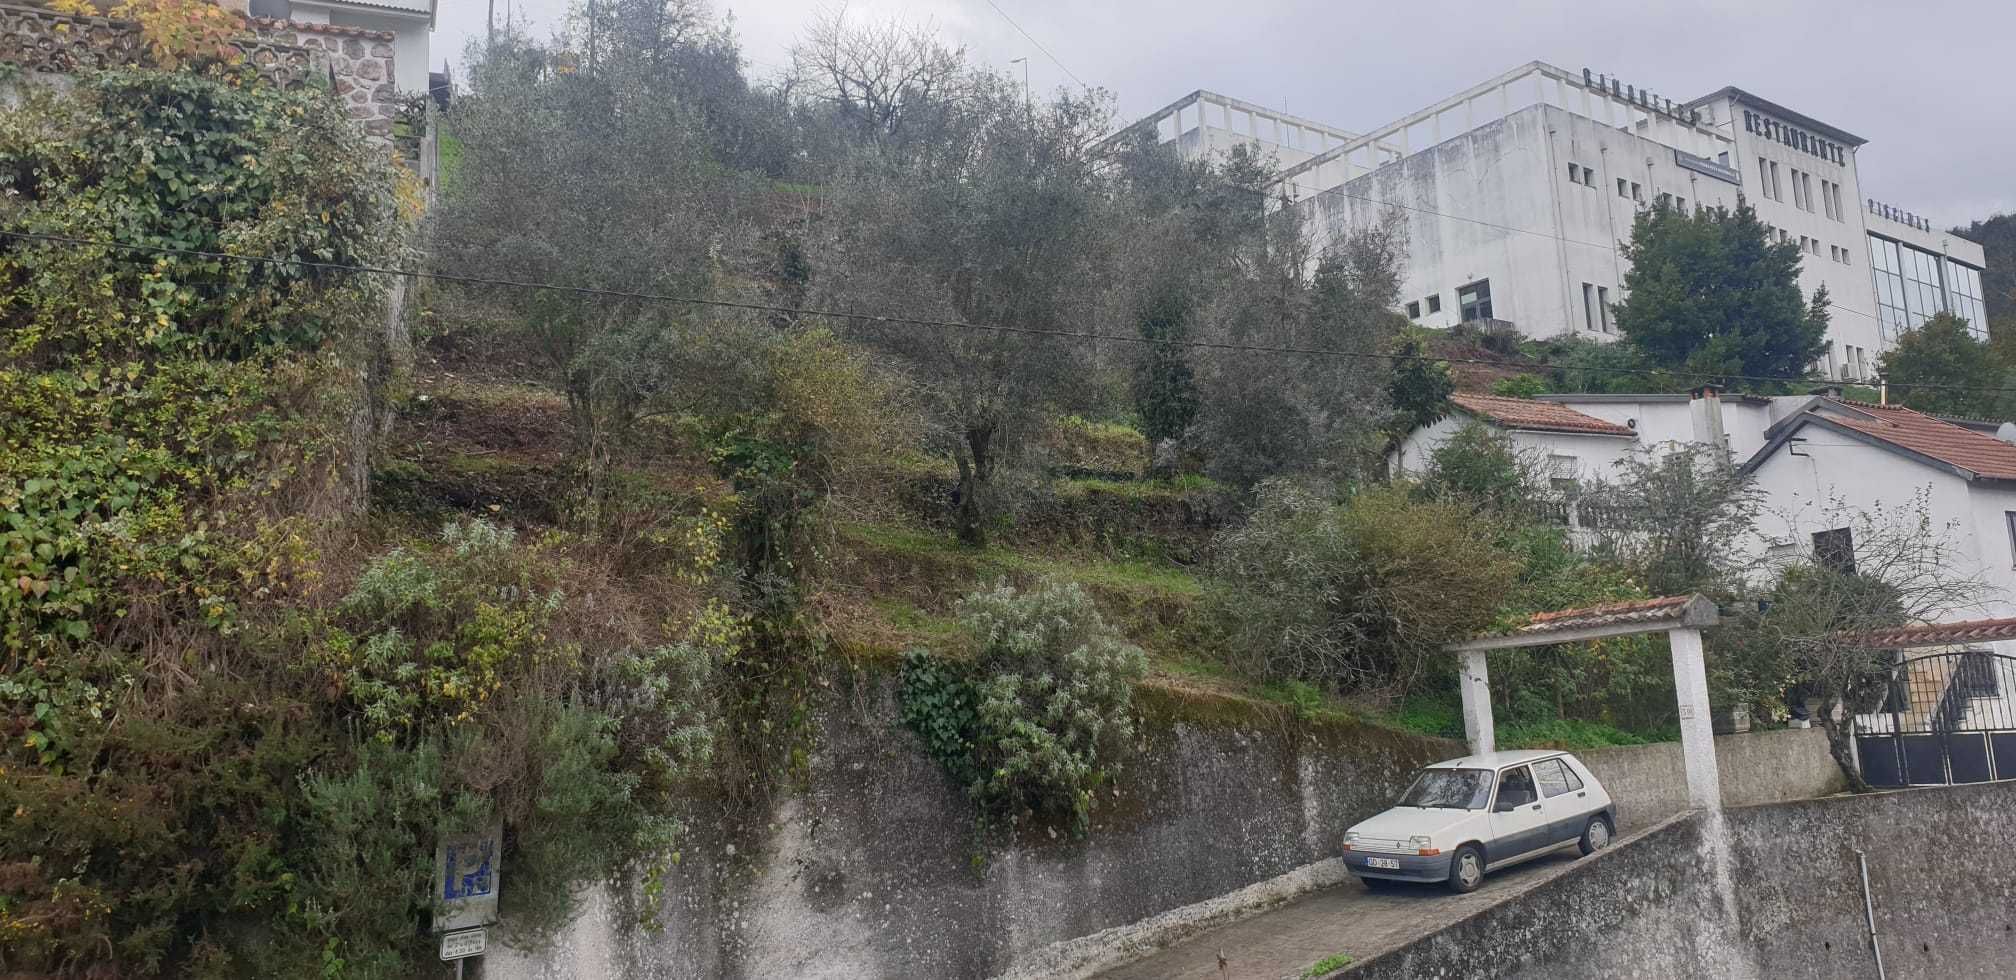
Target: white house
409, 21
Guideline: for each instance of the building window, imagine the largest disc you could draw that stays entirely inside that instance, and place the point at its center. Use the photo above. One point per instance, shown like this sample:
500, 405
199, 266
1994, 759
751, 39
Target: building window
1414, 311
1623, 187
1637, 193
1435, 303
1798, 191
1975, 677
1561, 475
1835, 549
1839, 215
2010, 517
1681, 204
1603, 306
1589, 305
1574, 173
1777, 189
1474, 301
1763, 177
1963, 290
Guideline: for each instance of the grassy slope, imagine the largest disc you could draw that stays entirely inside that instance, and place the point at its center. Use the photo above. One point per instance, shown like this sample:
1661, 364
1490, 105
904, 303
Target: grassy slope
497, 448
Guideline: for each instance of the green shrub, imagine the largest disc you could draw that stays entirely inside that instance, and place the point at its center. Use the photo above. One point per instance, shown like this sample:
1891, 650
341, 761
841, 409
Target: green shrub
1033, 725
1359, 594
1079, 445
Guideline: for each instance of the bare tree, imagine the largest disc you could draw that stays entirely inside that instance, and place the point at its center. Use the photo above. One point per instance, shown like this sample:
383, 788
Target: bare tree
877, 77
1678, 514
1895, 566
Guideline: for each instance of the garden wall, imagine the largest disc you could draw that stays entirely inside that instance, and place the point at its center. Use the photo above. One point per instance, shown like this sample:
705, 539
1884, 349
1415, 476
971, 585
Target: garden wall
1767, 891
1649, 782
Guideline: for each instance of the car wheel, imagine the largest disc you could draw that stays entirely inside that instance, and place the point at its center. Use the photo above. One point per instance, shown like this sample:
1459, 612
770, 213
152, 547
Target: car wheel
1596, 836
1376, 884
1466, 869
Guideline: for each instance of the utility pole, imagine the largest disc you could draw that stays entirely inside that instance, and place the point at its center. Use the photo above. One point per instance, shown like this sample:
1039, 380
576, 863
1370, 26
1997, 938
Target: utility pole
490, 27
1027, 104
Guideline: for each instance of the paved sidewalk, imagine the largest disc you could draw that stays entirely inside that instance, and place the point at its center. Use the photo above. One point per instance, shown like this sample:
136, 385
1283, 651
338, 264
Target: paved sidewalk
1346, 918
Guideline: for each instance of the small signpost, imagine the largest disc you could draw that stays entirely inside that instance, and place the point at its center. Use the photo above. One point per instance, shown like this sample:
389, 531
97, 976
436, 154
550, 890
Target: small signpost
466, 882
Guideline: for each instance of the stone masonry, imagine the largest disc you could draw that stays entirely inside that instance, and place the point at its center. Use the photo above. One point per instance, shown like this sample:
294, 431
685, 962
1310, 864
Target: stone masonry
355, 63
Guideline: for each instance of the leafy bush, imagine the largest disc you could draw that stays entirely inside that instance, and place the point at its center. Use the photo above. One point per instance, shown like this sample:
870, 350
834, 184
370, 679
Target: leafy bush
1107, 449
1359, 594
1521, 386
1033, 725
1480, 466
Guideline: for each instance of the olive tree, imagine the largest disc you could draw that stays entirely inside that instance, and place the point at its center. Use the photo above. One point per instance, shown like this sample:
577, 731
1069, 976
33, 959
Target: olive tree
995, 222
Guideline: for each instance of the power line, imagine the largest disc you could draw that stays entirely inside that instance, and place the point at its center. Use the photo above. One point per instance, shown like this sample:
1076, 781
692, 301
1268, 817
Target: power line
897, 320
1038, 44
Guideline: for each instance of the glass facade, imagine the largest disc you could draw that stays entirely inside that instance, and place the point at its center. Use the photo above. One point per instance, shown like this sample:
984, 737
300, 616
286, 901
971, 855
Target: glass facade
1910, 288
1963, 289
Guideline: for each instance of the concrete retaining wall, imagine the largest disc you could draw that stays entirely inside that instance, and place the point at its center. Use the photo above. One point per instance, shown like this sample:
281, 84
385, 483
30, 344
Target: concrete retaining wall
874, 870
1767, 891
1649, 782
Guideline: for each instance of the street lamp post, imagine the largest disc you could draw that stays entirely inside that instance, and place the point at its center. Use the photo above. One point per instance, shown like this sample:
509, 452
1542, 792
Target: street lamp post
1024, 62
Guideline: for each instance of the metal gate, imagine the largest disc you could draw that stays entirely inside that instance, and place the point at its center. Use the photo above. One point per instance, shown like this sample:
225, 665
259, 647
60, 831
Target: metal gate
1946, 718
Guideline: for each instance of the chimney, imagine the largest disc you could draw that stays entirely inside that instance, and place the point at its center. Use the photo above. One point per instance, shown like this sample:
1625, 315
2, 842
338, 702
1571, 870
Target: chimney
1704, 408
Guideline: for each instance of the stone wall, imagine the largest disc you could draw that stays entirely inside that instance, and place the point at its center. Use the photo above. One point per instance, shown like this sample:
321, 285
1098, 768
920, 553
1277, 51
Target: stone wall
357, 63
1649, 782
1767, 891
874, 869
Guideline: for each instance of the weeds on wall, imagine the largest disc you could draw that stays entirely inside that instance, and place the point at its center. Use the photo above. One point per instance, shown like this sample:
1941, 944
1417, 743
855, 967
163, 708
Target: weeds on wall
1041, 717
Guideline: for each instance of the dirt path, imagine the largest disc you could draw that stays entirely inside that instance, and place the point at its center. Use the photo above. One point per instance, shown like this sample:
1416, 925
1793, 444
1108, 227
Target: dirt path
1347, 918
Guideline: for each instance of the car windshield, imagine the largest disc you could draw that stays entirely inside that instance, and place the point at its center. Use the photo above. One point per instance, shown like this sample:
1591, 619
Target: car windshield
1456, 789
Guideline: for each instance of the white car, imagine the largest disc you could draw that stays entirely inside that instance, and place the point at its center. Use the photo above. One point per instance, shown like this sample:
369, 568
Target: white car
1481, 813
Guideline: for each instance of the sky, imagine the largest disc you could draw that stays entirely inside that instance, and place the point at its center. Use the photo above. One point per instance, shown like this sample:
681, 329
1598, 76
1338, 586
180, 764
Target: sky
1924, 83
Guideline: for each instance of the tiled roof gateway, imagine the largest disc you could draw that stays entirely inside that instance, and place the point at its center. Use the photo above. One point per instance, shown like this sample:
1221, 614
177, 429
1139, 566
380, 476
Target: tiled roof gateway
1525, 413
1609, 619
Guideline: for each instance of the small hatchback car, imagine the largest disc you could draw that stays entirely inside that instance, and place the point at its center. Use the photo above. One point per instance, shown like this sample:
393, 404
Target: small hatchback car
1481, 813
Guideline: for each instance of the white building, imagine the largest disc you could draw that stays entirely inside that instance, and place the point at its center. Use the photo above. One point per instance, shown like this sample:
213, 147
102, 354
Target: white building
410, 20
1819, 460
1517, 192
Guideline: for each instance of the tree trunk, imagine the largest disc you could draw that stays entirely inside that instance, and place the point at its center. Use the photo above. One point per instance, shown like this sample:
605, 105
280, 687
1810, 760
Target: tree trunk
1843, 751
976, 467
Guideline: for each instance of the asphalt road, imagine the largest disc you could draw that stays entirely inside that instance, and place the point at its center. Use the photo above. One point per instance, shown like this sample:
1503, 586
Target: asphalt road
1347, 918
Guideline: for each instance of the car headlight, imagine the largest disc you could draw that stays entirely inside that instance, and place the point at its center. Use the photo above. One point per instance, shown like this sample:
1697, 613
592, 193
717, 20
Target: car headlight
1420, 840
1350, 838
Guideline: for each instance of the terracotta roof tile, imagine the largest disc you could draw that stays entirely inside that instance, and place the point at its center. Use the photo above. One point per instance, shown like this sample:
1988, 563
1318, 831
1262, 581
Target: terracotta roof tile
1922, 434
275, 24
1666, 612
1525, 413
1935, 634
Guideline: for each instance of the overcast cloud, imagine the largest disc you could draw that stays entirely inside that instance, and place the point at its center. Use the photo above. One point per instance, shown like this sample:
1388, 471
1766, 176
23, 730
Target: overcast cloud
1927, 84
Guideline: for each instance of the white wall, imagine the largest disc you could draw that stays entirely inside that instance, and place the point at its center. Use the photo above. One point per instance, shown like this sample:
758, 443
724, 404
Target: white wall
1802, 491
1595, 456
1496, 203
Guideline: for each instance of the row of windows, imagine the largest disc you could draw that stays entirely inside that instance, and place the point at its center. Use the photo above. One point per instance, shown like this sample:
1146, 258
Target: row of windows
1795, 138
1839, 254
1473, 302
1913, 285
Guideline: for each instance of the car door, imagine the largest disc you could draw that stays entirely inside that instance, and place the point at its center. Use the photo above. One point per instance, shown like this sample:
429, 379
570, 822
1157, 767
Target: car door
1518, 815
1565, 798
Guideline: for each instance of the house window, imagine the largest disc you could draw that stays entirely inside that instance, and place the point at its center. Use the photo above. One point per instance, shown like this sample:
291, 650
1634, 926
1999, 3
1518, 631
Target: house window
1835, 549
1435, 303
1414, 311
1474, 301
2010, 517
1975, 677
1561, 475
1681, 204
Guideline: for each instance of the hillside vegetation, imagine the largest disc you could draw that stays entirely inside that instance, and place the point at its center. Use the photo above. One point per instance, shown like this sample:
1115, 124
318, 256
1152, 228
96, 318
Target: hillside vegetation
286, 600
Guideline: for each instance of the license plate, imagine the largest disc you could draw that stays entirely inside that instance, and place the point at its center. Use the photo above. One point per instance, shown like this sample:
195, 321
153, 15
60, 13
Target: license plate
1387, 863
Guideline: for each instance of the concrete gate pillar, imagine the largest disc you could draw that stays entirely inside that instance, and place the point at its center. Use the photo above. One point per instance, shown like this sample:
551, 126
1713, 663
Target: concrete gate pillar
1476, 687
1697, 731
